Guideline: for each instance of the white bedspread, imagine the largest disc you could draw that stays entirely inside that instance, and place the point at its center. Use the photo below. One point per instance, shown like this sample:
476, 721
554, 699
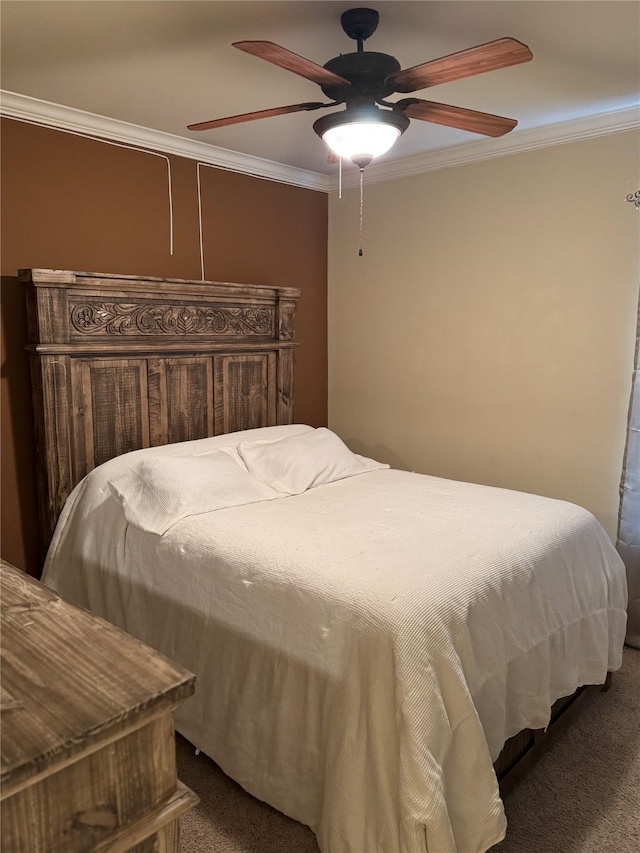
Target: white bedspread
362, 650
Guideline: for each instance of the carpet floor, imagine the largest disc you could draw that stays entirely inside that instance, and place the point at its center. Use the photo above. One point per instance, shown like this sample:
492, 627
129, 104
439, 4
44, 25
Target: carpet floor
582, 797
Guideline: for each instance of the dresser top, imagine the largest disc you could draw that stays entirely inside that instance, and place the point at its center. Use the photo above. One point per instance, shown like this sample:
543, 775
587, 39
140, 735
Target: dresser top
70, 680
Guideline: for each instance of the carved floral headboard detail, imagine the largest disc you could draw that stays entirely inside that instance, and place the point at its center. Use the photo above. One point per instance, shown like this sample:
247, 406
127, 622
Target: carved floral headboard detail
113, 318
124, 362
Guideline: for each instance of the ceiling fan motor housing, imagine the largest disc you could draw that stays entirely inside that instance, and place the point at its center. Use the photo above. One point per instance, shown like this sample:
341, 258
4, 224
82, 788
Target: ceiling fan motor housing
367, 72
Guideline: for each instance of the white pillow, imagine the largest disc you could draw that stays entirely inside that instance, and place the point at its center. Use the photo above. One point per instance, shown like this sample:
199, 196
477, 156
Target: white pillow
156, 492
233, 439
299, 462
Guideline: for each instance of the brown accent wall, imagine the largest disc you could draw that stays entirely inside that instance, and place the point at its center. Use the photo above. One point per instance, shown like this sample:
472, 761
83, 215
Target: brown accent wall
75, 203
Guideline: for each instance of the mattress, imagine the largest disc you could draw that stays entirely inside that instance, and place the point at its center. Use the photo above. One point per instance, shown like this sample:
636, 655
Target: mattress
364, 649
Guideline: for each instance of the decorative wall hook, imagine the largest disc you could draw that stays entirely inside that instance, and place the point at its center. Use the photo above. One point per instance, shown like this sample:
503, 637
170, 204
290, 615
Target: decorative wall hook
634, 198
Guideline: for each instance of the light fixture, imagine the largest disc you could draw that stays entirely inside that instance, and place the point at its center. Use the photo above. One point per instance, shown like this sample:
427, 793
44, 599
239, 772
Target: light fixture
360, 134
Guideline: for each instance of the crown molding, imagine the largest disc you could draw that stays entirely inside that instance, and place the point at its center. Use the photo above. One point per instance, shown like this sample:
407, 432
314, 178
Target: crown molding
25, 108
57, 116
574, 130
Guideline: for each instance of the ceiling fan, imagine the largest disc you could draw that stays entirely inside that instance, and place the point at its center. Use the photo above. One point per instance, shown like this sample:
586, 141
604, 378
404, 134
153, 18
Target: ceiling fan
369, 125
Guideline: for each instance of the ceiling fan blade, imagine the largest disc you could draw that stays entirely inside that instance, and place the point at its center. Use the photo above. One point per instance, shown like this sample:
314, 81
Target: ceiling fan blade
276, 111
291, 62
463, 119
501, 53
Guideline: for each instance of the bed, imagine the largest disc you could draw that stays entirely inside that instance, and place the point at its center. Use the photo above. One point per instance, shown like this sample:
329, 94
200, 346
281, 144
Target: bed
365, 640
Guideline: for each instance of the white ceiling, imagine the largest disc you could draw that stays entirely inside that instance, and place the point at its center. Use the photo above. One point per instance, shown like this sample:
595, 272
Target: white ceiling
164, 64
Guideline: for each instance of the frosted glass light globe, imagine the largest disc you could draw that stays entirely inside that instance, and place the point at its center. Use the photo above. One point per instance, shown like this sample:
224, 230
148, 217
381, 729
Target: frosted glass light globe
361, 138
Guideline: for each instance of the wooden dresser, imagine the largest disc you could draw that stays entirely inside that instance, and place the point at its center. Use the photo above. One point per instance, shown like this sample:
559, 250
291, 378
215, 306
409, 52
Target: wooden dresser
88, 752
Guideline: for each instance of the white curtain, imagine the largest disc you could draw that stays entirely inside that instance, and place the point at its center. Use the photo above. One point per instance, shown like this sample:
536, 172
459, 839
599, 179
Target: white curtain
629, 519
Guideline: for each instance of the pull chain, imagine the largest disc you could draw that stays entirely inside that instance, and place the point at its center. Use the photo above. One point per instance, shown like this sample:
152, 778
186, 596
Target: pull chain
361, 209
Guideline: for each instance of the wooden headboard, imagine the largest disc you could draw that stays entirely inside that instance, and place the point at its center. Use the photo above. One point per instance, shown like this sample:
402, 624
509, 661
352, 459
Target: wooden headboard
123, 362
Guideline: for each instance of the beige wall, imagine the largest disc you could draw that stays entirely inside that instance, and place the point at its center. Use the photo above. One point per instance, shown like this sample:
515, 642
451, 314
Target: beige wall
487, 333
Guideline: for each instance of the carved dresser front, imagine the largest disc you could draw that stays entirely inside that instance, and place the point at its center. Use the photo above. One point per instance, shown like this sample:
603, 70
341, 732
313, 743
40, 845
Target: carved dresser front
120, 362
